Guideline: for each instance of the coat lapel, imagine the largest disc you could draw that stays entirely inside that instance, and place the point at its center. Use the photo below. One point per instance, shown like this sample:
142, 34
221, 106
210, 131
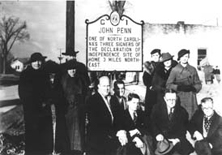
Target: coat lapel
109, 112
214, 124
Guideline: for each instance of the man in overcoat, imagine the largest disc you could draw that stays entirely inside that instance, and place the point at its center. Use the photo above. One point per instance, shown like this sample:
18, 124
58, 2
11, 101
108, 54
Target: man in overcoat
169, 121
207, 124
184, 79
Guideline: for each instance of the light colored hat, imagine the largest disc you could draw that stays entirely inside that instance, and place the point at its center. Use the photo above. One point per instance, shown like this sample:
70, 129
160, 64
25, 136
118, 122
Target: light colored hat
163, 147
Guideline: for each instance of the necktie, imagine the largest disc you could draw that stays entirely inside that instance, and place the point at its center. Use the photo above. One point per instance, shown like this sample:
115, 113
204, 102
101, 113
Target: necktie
121, 103
207, 123
170, 114
134, 117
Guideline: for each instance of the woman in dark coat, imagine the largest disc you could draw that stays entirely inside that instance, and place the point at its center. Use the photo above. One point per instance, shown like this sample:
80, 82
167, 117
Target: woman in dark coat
33, 82
75, 86
150, 97
162, 73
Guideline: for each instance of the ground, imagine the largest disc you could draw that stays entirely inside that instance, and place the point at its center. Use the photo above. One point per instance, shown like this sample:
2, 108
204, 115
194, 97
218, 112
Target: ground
11, 115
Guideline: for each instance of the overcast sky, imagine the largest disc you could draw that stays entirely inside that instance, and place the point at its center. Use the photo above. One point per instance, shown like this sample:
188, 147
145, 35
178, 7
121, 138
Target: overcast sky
46, 19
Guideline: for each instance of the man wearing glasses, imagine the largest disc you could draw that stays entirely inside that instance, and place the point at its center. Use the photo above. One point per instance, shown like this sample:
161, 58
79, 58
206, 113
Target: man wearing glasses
169, 122
206, 125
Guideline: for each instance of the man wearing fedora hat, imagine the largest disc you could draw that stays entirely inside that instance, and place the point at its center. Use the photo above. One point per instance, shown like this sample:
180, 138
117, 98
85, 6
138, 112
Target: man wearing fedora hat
185, 80
162, 73
169, 121
32, 84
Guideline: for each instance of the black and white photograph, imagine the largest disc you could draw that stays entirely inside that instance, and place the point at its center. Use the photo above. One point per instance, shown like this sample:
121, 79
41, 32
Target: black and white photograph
110, 77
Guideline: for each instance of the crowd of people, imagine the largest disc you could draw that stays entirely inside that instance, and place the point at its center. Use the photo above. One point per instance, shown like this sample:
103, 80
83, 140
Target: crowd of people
63, 114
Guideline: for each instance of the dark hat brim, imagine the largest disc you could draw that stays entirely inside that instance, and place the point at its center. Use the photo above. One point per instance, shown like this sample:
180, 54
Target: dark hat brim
182, 53
33, 60
163, 60
70, 53
71, 64
155, 51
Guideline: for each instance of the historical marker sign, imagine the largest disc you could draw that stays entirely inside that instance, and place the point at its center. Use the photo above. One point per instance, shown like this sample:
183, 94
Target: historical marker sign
114, 44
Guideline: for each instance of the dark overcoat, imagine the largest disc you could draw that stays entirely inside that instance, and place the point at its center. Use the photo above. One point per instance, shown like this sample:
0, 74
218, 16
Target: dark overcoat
151, 95
55, 96
101, 132
75, 92
32, 86
175, 128
160, 78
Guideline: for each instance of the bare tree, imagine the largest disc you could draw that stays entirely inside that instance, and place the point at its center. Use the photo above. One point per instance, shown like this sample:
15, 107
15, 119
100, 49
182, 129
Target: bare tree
11, 31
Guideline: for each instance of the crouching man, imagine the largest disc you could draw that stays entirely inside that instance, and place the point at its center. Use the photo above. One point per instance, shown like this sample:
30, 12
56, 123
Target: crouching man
133, 123
206, 127
169, 123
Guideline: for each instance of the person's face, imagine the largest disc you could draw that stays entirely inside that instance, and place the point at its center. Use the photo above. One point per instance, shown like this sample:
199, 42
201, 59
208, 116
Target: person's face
36, 64
72, 72
133, 104
120, 90
104, 86
184, 59
170, 99
155, 57
207, 108
68, 57
167, 63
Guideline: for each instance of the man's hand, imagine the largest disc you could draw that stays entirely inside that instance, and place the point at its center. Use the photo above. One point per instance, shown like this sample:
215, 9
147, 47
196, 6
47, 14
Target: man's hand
139, 143
174, 141
159, 137
197, 135
122, 137
134, 132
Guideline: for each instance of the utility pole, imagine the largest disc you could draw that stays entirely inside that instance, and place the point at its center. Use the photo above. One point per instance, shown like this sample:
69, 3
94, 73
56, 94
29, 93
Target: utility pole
70, 27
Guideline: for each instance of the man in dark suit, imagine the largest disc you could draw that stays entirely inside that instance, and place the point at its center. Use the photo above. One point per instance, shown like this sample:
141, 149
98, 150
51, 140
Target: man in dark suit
133, 121
169, 121
118, 101
207, 124
101, 134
